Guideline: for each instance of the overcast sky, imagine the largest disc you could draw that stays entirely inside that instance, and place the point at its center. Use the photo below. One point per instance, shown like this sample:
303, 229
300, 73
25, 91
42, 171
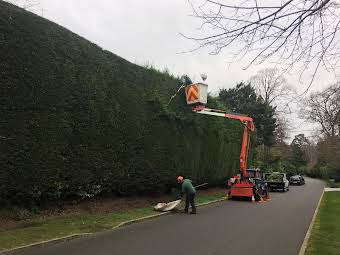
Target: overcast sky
148, 32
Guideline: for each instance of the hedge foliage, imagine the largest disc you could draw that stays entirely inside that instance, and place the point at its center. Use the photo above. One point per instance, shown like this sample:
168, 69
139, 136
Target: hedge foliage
78, 121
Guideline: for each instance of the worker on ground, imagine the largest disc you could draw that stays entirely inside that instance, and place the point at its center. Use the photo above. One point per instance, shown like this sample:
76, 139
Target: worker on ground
188, 189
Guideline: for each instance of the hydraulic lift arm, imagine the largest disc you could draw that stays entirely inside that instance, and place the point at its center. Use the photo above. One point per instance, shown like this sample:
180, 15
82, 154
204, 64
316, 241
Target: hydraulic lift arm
196, 96
248, 130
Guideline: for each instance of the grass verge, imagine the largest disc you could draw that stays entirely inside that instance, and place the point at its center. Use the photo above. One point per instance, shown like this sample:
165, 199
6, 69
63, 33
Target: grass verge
45, 229
325, 236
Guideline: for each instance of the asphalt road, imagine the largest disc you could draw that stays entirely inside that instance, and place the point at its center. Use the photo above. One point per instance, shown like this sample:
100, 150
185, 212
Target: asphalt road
231, 227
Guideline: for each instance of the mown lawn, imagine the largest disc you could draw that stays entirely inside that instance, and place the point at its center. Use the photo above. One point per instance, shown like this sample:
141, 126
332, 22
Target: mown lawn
46, 229
325, 236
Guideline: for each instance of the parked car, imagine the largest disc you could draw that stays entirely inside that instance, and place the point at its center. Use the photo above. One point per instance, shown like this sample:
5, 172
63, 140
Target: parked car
276, 181
296, 179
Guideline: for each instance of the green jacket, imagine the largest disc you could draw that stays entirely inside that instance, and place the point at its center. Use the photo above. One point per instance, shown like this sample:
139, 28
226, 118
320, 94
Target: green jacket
187, 187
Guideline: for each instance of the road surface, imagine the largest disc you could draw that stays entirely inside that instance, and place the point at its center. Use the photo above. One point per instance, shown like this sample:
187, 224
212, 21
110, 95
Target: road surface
230, 227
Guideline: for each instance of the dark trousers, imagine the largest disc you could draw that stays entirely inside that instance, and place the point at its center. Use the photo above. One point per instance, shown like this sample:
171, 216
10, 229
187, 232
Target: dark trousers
190, 199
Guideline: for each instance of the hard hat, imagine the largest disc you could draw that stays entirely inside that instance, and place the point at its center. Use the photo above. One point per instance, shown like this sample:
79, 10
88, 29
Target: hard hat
180, 179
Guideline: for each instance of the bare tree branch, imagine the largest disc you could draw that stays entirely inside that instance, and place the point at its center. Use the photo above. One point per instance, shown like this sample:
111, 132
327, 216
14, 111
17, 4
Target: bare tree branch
289, 32
324, 108
272, 87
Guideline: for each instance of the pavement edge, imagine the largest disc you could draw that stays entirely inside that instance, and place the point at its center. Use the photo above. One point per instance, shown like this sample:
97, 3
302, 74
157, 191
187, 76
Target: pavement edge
80, 235
44, 243
305, 241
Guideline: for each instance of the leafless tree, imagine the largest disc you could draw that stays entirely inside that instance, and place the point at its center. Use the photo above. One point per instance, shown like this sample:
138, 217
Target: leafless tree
310, 154
324, 108
328, 150
281, 131
290, 32
272, 87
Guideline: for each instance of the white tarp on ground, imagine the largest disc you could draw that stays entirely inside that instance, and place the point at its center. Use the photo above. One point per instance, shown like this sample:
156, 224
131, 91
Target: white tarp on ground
164, 207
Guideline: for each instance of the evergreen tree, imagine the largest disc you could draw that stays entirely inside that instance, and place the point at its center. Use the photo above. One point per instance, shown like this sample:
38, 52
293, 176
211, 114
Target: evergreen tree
244, 100
297, 158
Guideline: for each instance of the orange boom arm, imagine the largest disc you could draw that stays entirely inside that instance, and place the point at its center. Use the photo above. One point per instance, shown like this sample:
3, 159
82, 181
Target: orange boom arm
247, 131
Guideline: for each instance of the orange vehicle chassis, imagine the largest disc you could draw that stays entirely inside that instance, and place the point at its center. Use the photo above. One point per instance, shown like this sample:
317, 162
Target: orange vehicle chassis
242, 190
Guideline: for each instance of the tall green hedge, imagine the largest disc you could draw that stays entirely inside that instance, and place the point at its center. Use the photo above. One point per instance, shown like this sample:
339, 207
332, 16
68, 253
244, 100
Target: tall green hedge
77, 121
